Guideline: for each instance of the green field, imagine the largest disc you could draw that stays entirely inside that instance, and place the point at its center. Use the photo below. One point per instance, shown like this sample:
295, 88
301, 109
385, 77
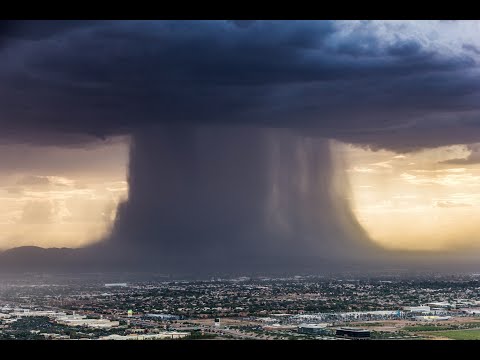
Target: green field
457, 334
427, 328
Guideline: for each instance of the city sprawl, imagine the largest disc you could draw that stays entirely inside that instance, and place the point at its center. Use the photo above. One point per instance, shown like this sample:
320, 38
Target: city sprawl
258, 307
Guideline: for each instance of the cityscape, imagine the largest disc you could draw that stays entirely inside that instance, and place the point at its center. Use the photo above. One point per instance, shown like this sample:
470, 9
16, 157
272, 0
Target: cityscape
347, 307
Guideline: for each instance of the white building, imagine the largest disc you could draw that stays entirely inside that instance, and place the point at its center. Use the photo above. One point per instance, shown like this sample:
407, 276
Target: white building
160, 336
417, 309
116, 285
27, 312
81, 320
471, 311
441, 304
432, 318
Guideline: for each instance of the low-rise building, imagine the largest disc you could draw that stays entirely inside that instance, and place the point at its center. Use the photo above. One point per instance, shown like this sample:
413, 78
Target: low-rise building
354, 333
81, 320
441, 304
36, 313
313, 329
164, 316
116, 285
417, 309
471, 311
432, 318
159, 336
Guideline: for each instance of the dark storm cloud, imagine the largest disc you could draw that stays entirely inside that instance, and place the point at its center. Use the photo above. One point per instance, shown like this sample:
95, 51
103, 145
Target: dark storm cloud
64, 159
228, 118
243, 23
472, 48
105, 78
37, 29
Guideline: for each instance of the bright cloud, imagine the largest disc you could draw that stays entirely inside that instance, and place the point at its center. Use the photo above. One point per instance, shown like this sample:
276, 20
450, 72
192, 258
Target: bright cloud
65, 209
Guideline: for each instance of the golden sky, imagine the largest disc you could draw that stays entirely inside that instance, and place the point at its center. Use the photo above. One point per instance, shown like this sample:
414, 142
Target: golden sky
427, 200
60, 197
68, 197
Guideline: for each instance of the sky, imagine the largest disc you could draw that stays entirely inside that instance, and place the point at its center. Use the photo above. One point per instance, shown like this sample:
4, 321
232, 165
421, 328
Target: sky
69, 201
217, 144
427, 200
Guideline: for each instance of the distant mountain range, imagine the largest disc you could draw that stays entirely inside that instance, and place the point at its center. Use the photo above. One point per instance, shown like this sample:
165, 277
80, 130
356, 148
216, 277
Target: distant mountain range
101, 258
36, 258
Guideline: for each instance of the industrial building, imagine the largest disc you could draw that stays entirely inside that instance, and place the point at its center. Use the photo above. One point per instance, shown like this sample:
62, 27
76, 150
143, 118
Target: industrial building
81, 320
432, 318
34, 313
353, 333
417, 309
116, 285
441, 305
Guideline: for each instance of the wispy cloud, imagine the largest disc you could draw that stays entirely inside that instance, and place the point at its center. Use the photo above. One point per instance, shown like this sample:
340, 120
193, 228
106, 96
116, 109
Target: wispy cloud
450, 204
361, 169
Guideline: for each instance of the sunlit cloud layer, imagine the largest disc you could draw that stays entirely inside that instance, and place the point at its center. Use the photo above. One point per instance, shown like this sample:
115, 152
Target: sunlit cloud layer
62, 207
418, 201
